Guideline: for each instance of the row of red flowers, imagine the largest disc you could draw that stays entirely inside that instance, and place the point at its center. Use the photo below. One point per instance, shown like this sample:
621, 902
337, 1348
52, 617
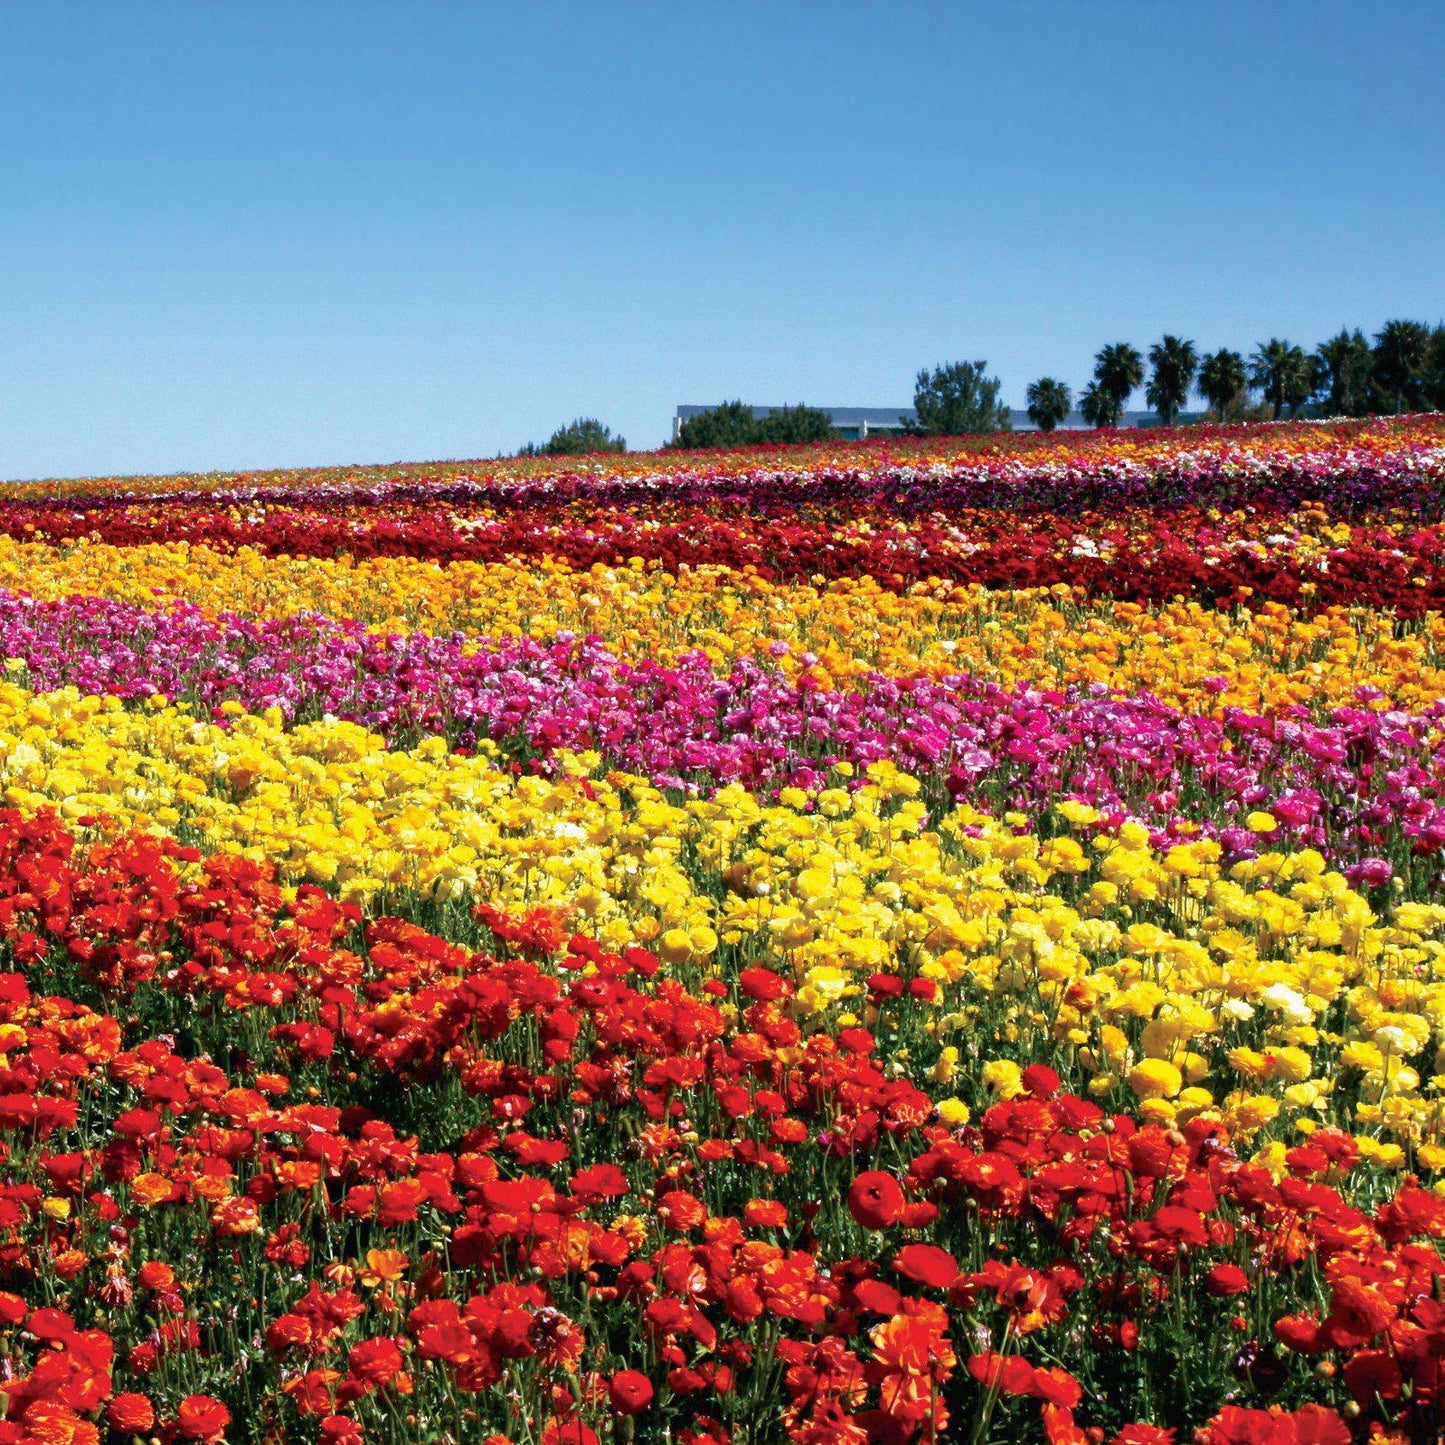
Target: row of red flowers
1144, 557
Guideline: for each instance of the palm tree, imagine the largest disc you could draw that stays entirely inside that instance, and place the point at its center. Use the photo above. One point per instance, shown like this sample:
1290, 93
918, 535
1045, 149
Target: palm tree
1435, 376
1118, 369
1345, 363
1222, 382
1402, 355
1281, 370
1173, 362
1097, 407
1049, 402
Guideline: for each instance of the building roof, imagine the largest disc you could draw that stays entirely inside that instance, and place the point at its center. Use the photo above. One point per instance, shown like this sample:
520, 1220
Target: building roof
842, 415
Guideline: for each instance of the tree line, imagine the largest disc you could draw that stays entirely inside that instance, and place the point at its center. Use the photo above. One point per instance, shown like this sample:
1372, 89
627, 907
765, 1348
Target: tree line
1402, 369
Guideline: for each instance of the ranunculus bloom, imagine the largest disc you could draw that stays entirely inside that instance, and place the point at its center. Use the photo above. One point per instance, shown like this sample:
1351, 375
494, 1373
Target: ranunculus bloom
765, 1213
130, 1413
1040, 1081
155, 1274
1225, 1280
201, 1417
875, 1199
341, 1430
630, 1392
927, 1264
681, 1211
1011, 1374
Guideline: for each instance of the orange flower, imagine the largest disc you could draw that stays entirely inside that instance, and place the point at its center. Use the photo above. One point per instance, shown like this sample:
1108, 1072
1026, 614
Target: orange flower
383, 1266
235, 1217
151, 1189
130, 1413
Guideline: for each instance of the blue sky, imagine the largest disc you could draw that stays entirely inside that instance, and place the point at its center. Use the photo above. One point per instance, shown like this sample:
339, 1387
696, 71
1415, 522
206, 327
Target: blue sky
265, 235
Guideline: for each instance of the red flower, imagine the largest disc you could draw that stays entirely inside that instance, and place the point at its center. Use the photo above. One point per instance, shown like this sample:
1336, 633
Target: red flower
681, 1211
763, 984
927, 1264
1010, 1374
568, 1432
599, 1181
765, 1213
1372, 1373
875, 1200
1316, 1425
1056, 1387
375, 1361
1040, 1081
203, 1418
340, 1430
1312, 1425
1144, 1435
630, 1392
130, 1414
1226, 1280
1357, 1314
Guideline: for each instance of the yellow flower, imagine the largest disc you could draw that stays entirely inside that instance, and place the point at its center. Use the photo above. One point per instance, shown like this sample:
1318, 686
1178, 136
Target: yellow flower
1291, 1064
1004, 1077
1252, 1112
1155, 1079
953, 1113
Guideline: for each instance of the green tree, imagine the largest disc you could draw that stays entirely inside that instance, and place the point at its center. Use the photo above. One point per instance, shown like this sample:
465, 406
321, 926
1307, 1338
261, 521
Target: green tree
1344, 376
1172, 363
1435, 375
957, 400
577, 439
730, 425
1402, 358
1118, 369
796, 424
1097, 407
1049, 402
734, 424
1281, 370
1223, 383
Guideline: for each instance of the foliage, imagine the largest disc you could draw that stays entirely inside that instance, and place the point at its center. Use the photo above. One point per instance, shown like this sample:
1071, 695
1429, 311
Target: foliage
1282, 372
582, 437
1401, 364
1098, 408
789, 424
1118, 370
1049, 402
957, 400
1345, 374
735, 424
1172, 364
1223, 383
730, 425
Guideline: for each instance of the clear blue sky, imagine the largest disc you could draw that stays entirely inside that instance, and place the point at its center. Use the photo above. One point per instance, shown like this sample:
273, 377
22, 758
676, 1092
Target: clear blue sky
251, 235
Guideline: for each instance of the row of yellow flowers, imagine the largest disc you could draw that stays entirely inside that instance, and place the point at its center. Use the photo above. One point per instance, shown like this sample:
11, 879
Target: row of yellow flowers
1271, 656
1269, 992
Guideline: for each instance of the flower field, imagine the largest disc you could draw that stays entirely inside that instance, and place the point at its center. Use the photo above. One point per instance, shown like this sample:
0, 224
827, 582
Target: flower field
928, 941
